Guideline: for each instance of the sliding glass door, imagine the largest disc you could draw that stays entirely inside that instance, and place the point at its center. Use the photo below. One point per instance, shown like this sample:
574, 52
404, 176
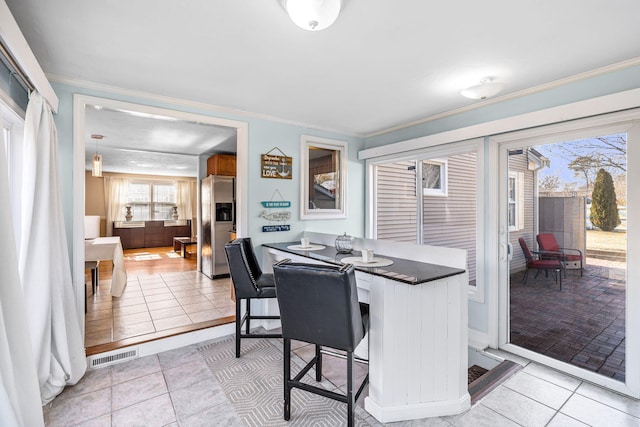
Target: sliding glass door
567, 293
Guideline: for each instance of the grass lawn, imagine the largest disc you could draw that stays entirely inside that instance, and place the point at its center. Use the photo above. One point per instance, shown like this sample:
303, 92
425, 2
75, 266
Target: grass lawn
607, 240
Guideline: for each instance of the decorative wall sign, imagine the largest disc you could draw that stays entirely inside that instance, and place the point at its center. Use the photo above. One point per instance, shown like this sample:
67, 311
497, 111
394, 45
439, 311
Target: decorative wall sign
276, 166
270, 228
276, 216
276, 204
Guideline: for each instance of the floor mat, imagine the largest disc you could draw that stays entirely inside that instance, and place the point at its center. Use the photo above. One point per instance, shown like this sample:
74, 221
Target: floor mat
253, 384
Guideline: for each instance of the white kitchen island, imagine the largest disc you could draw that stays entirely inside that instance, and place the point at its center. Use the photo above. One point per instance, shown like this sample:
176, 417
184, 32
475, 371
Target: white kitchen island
418, 324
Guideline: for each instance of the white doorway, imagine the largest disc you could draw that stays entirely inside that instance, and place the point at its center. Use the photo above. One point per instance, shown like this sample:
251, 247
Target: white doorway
81, 102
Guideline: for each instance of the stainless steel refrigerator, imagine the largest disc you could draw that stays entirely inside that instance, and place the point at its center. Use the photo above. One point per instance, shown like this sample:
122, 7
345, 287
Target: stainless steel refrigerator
217, 196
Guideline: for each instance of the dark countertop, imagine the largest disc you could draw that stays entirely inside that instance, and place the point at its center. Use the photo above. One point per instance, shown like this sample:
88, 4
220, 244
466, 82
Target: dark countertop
402, 270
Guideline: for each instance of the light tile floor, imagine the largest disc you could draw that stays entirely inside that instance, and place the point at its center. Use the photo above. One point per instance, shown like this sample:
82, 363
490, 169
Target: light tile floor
176, 388
154, 303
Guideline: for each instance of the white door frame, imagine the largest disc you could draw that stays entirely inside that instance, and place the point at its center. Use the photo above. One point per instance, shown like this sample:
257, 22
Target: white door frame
626, 121
80, 103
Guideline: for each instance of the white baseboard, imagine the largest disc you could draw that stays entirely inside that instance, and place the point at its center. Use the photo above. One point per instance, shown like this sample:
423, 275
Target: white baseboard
478, 340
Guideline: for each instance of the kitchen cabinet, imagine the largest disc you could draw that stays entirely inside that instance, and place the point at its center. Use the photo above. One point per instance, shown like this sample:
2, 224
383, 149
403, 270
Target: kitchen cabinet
221, 164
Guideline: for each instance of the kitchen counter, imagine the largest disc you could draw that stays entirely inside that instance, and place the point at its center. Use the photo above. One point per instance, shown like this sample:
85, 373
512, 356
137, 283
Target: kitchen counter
417, 343
402, 270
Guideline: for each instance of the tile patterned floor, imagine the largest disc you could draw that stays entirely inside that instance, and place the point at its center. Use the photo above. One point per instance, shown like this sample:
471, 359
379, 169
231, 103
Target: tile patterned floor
582, 325
176, 388
154, 303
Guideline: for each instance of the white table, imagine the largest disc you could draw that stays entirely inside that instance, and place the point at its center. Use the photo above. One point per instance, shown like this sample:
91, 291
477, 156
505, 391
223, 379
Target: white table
109, 248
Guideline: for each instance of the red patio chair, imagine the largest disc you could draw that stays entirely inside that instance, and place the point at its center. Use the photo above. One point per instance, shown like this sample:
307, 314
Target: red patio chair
539, 264
549, 246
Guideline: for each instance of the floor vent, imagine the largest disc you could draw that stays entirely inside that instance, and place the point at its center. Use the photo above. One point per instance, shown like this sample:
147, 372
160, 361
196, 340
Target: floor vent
112, 358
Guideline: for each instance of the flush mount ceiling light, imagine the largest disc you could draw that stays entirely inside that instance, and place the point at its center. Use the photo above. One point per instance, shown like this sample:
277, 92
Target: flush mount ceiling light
486, 89
96, 163
313, 15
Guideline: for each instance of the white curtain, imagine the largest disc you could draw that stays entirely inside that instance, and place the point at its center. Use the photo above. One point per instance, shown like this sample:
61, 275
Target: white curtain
185, 199
115, 200
45, 273
20, 403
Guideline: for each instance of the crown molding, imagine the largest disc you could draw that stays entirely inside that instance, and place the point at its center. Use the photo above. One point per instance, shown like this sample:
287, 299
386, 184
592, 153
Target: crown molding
188, 104
247, 114
513, 95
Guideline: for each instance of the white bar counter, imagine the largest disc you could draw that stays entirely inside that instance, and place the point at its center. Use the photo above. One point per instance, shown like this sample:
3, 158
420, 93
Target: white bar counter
418, 324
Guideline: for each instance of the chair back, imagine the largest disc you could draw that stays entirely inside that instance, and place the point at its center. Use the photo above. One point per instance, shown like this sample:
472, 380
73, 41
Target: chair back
243, 267
525, 250
319, 304
547, 242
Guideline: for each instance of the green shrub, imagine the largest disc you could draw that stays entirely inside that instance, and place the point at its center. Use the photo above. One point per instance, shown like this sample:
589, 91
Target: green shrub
604, 208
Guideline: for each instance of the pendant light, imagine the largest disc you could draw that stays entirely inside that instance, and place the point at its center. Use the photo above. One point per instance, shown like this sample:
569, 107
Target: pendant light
313, 15
96, 163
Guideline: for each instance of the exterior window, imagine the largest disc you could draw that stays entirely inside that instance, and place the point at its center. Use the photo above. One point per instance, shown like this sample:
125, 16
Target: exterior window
434, 178
151, 200
515, 201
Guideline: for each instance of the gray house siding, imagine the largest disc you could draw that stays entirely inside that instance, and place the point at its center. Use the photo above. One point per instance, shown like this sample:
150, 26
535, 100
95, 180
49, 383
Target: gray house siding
396, 202
518, 164
448, 220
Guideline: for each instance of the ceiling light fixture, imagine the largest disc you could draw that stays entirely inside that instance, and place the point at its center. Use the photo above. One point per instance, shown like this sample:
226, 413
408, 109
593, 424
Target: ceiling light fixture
313, 15
96, 164
486, 89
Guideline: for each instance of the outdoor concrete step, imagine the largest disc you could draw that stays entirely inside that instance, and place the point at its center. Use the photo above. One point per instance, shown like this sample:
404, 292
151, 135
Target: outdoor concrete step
607, 255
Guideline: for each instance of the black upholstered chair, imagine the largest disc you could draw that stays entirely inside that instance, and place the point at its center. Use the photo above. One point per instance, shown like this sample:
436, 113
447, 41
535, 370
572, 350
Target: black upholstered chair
319, 305
249, 282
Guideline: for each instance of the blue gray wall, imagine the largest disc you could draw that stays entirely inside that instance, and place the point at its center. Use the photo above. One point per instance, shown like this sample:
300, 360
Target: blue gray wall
264, 135
605, 84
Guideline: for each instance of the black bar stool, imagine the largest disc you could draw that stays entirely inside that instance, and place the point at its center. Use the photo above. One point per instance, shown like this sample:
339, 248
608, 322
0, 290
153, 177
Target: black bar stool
319, 305
249, 282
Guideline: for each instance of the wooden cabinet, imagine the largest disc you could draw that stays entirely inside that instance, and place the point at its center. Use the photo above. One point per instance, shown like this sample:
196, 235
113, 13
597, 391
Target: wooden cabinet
221, 164
130, 237
153, 234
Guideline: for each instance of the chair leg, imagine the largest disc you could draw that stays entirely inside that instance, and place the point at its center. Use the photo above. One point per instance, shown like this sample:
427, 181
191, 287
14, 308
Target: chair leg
351, 402
318, 363
560, 276
248, 305
94, 279
524, 278
287, 378
238, 326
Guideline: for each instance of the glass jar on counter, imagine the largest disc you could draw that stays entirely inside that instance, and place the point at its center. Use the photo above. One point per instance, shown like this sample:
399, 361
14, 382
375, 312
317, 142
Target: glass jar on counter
344, 244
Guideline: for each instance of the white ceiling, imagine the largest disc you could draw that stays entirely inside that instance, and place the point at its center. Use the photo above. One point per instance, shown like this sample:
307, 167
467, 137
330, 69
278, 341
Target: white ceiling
152, 145
382, 64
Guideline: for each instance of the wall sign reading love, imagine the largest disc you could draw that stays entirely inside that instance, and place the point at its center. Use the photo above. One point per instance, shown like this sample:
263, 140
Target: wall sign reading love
276, 166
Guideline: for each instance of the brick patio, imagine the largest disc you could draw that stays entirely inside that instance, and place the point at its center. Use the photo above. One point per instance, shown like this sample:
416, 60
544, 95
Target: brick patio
583, 324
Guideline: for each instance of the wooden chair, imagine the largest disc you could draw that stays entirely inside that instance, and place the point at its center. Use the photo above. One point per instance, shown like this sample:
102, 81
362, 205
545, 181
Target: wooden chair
533, 263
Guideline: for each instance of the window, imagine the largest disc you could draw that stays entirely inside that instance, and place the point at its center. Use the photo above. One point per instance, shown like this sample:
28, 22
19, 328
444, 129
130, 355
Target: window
434, 177
515, 201
151, 200
324, 174
443, 213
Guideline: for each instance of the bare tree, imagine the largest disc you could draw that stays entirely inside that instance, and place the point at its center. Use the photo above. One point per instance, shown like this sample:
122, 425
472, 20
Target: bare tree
549, 183
585, 166
608, 152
